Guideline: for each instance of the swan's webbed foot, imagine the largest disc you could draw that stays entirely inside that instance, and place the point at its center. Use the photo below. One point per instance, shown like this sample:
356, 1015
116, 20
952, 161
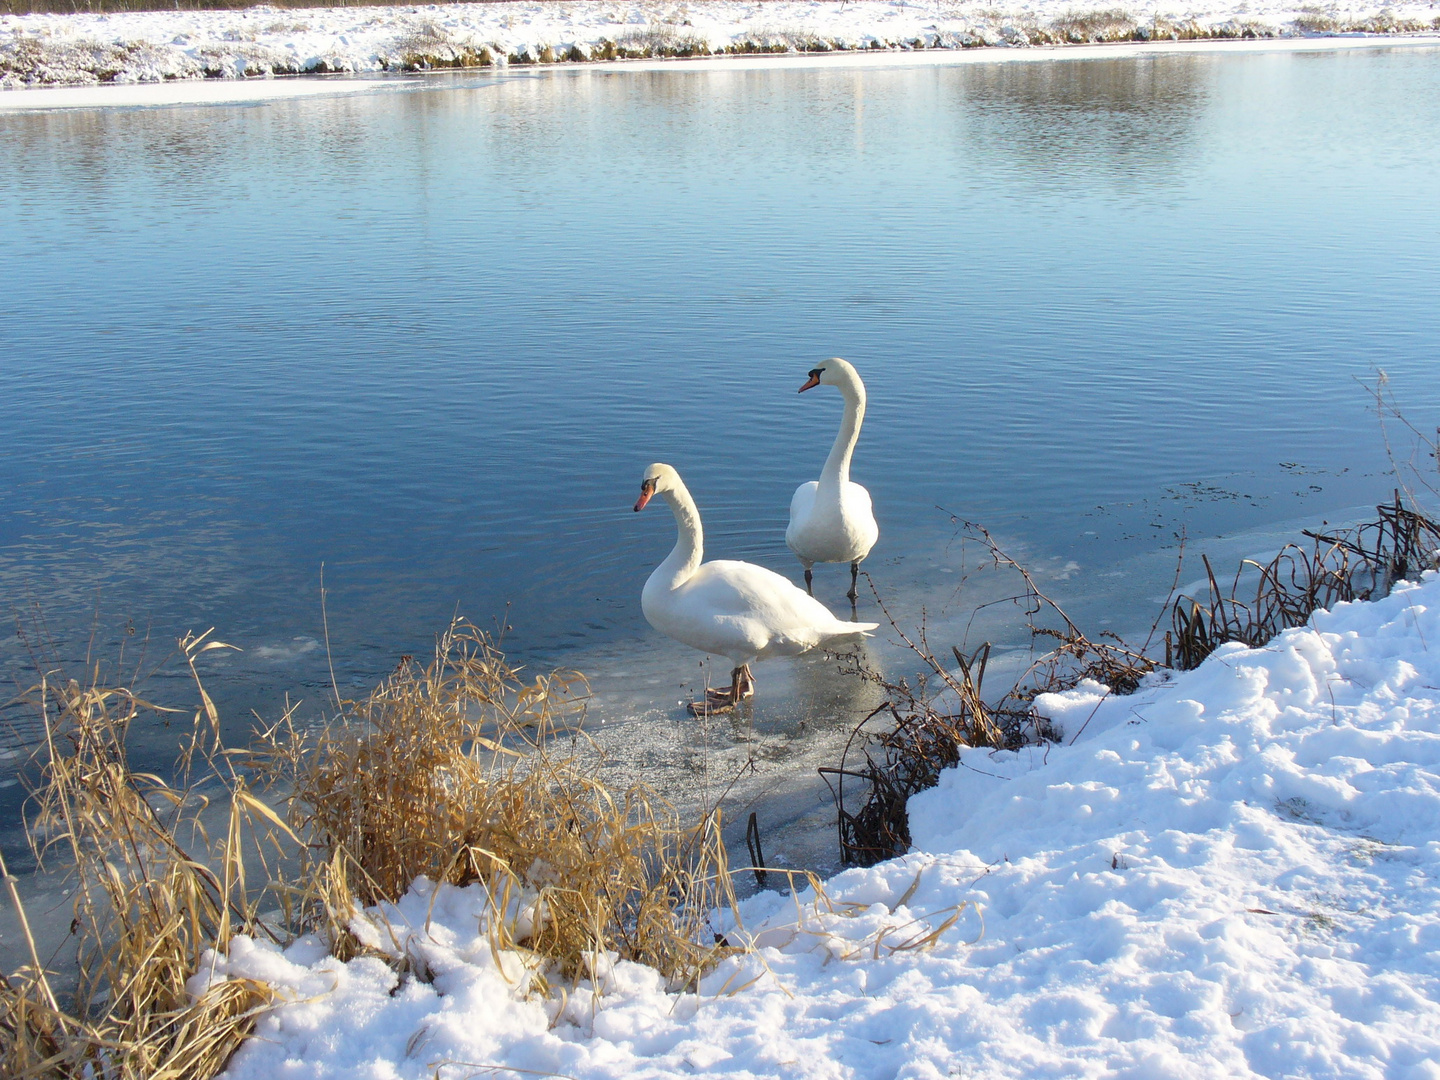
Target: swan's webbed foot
716, 702
710, 706
723, 699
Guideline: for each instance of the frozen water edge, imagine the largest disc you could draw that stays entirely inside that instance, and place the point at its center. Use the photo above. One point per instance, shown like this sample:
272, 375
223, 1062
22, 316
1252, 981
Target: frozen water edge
208, 92
270, 88
1234, 872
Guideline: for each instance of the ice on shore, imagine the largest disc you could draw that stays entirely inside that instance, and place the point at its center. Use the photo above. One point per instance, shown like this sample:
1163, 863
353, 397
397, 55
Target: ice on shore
1233, 872
52, 50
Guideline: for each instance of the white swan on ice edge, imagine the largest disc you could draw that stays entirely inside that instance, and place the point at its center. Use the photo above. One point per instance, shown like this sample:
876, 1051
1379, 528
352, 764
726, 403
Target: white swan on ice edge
831, 520
732, 609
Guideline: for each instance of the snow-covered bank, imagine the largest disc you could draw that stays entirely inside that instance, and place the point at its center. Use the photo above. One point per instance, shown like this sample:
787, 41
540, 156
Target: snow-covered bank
1232, 873
232, 91
40, 50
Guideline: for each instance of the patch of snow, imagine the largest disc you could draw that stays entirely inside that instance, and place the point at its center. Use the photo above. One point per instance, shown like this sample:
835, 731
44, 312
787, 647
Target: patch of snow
131, 47
1233, 872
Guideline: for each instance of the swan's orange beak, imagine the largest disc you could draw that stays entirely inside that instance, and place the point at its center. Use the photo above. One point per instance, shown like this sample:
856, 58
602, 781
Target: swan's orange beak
647, 488
814, 380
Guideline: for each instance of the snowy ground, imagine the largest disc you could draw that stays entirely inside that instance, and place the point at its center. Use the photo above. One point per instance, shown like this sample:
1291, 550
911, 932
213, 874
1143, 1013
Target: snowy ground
156, 46
1234, 873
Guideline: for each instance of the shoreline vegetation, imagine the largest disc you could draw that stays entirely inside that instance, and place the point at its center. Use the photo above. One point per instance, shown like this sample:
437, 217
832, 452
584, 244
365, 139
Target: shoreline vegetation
927, 725
463, 773
52, 43
459, 772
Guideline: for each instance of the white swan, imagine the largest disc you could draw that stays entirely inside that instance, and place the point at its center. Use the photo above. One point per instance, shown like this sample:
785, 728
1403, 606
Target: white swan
733, 609
831, 519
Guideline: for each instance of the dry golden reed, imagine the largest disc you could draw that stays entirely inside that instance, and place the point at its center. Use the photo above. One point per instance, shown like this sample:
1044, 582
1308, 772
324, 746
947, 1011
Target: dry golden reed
460, 771
148, 904
463, 772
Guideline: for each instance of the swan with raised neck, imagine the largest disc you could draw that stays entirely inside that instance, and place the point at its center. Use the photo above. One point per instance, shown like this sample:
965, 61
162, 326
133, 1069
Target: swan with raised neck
727, 608
832, 519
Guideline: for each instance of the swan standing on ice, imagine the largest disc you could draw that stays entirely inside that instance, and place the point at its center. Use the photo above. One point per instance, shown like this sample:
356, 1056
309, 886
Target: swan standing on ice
831, 519
733, 609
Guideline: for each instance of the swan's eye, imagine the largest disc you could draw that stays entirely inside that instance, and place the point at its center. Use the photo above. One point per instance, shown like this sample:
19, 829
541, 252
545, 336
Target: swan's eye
815, 373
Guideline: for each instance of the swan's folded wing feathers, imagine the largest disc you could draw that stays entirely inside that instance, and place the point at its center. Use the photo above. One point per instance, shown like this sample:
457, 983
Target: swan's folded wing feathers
728, 587
743, 590
803, 500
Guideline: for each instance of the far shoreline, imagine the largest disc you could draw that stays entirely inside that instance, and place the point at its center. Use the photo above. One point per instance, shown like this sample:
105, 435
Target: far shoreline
1008, 54
259, 89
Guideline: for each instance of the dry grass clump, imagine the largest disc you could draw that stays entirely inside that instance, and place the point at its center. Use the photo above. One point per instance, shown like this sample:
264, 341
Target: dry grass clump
759, 40
464, 772
1361, 564
908, 757
448, 770
43, 61
1385, 22
428, 45
944, 711
657, 39
152, 895
1314, 20
1167, 29
1322, 21
1081, 27
1115, 25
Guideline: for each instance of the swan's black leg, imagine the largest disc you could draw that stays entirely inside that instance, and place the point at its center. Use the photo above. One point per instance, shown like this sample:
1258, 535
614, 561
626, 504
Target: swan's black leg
854, 594
809, 584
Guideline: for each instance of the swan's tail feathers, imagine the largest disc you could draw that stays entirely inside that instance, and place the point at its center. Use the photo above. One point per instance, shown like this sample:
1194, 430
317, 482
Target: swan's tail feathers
858, 627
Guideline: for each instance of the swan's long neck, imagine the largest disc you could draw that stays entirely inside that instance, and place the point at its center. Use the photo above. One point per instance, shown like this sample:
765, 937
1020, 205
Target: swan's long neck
836, 473
689, 548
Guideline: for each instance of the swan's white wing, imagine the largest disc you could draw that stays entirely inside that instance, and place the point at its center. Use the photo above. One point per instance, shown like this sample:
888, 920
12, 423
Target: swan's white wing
757, 612
802, 504
836, 527
860, 521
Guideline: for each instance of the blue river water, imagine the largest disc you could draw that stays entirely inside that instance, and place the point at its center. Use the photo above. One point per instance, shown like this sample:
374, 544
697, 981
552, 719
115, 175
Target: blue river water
430, 337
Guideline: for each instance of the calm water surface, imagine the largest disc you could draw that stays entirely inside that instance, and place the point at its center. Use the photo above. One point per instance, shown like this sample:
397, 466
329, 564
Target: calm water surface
430, 337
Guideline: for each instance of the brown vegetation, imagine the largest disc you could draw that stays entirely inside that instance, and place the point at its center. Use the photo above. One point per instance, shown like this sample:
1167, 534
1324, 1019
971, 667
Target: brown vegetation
1360, 564
458, 771
152, 895
448, 770
932, 721
944, 711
